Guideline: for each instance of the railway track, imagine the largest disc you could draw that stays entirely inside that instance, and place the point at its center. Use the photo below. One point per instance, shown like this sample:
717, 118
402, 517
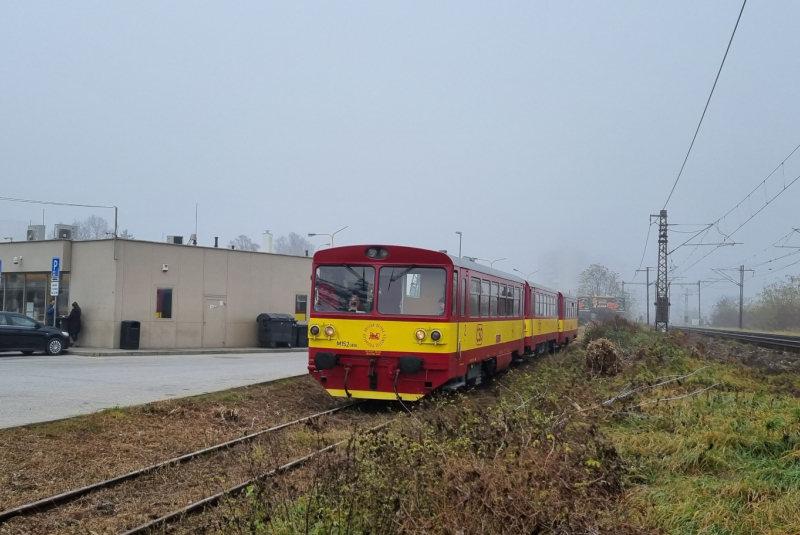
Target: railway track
771, 341
100, 499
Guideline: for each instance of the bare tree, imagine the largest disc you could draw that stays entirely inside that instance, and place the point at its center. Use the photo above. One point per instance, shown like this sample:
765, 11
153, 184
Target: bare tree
125, 235
243, 243
294, 244
598, 280
92, 228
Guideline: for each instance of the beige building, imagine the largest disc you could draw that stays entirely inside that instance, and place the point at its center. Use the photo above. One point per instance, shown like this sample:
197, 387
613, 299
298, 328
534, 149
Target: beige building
184, 296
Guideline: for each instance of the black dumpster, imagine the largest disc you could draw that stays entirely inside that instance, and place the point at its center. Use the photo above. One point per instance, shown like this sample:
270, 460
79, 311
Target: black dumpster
300, 335
129, 335
274, 329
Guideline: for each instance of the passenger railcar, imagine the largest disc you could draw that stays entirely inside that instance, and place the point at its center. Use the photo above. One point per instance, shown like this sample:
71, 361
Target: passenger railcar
541, 319
568, 319
394, 322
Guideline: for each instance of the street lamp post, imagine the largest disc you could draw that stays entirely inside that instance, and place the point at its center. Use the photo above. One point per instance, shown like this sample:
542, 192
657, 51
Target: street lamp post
311, 234
527, 275
459, 243
491, 262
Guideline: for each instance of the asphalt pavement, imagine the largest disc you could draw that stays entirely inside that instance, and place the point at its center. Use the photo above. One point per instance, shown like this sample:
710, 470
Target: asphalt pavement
40, 388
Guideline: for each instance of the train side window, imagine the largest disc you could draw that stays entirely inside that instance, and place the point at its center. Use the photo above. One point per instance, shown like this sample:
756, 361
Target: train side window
502, 303
474, 297
455, 293
516, 302
484, 299
495, 289
464, 298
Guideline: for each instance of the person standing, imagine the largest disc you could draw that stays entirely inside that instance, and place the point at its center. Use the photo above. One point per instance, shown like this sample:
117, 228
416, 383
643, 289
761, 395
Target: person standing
50, 314
74, 319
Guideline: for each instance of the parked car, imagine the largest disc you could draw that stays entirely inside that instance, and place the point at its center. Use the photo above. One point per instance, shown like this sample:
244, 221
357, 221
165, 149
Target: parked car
21, 333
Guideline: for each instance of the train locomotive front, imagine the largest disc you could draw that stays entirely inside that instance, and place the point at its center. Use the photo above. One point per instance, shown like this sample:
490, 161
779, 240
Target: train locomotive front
386, 323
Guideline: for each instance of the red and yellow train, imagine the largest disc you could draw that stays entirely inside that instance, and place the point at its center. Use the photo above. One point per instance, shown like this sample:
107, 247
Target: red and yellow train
391, 322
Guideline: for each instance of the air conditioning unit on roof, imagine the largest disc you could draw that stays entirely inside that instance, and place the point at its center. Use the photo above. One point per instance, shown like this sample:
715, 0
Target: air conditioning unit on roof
36, 233
177, 240
66, 232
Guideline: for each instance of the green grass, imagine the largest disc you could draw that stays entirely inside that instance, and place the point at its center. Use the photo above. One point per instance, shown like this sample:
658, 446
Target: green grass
726, 461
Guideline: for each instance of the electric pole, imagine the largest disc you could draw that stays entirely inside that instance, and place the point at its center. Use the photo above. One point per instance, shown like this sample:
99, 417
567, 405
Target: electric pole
699, 310
662, 287
740, 284
741, 294
686, 307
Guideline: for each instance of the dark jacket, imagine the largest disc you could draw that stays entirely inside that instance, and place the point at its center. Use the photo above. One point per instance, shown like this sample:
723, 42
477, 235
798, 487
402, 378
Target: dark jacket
74, 321
49, 314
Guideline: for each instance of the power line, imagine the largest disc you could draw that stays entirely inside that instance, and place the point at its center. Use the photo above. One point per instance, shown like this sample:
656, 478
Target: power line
31, 201
706, 108
747, 197
646, 241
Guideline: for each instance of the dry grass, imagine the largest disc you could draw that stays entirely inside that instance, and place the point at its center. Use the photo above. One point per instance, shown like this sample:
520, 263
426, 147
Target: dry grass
44, 459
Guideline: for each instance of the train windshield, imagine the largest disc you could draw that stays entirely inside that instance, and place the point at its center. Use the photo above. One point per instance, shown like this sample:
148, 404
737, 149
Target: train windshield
412, 291
344, 288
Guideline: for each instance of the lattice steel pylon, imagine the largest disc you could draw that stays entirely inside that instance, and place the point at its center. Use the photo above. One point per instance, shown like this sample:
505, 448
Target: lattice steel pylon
662, 286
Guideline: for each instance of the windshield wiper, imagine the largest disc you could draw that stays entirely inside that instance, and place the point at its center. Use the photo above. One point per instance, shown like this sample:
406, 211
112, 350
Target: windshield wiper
399, 275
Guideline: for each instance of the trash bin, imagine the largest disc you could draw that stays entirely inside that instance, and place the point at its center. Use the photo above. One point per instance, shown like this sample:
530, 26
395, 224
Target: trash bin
129, 335
274, 329
300, 335
63, 323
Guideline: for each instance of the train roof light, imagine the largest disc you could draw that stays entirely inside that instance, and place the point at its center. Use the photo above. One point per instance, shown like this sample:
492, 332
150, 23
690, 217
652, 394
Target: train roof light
377, 253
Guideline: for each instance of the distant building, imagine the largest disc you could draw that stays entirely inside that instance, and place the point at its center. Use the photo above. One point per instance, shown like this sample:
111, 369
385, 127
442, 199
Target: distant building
184, 296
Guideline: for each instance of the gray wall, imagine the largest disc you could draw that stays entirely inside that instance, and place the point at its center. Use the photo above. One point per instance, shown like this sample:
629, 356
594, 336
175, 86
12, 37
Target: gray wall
111, 286
247, 283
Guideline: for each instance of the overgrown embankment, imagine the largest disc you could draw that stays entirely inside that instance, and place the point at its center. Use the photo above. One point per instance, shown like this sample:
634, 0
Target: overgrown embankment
651, 433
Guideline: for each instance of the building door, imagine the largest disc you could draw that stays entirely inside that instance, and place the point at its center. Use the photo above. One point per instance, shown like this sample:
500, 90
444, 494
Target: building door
214, 321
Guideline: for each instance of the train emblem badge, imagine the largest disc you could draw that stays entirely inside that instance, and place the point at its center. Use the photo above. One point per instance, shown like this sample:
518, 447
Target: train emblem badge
374, 335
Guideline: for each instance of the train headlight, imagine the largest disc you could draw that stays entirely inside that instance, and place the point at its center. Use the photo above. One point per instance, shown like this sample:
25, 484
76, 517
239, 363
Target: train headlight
377, 252
420, 334
315, 330
329, 330
436, 336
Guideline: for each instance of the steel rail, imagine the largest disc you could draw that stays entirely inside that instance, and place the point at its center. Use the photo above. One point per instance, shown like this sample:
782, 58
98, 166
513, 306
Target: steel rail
51, 502
233, 491
772, 341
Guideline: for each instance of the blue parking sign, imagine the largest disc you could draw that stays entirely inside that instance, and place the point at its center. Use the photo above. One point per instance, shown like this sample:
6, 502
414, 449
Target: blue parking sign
56, 271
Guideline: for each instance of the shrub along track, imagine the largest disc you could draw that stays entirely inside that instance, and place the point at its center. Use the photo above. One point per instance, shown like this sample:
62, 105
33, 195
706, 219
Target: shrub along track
124, 502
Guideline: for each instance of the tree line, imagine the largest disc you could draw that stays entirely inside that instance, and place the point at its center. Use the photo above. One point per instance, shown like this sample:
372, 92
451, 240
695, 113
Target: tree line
95, 227
775, 308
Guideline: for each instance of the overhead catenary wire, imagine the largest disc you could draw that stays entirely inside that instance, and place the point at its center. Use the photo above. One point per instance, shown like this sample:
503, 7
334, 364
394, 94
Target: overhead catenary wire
742, 224
706, 107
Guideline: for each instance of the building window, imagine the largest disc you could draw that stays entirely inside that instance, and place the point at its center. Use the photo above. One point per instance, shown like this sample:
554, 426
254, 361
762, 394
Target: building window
164, 303
62, 302
300, 307
15, 292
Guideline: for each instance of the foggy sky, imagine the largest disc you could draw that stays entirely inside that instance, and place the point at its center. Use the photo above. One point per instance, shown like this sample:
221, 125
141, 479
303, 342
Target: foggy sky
546, 132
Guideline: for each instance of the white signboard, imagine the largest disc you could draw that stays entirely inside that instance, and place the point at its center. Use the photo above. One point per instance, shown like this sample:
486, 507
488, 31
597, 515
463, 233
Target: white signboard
54, 288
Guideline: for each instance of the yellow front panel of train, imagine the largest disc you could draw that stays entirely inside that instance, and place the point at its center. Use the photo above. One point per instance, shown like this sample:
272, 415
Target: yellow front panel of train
374, 335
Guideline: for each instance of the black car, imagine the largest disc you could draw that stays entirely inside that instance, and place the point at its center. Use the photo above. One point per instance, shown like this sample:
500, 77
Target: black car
21, 333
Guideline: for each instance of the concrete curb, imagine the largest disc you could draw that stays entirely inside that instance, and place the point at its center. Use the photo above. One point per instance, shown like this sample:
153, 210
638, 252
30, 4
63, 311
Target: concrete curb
96, 352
